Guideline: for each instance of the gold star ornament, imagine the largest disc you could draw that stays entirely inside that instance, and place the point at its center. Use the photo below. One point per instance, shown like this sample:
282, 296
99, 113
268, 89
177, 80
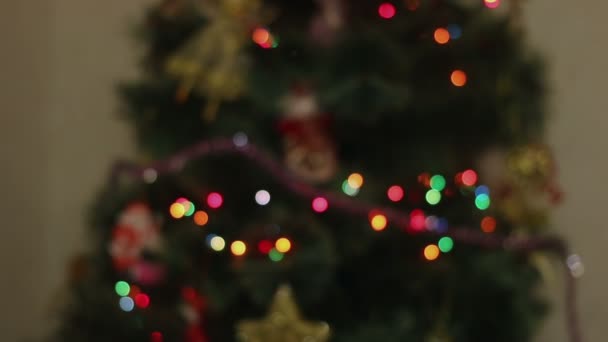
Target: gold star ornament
283, 323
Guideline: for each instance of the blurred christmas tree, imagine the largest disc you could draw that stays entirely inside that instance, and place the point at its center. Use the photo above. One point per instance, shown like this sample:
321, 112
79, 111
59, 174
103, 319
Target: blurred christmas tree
367, 157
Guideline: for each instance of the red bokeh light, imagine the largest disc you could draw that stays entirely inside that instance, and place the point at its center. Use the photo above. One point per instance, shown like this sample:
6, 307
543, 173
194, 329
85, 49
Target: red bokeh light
142, 300
156, 337
265, 246
469, 177
387, 10
395, 193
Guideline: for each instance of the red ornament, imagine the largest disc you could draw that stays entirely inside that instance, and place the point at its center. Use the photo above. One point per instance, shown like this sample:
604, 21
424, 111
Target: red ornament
310, 150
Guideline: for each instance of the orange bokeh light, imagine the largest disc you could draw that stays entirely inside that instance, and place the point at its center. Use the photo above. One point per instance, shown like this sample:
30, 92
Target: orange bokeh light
459, 78
488, 224
431, 252
260, 36
442, 36
201, 218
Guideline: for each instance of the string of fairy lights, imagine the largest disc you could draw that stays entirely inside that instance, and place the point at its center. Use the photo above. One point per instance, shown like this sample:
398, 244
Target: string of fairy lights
275, 250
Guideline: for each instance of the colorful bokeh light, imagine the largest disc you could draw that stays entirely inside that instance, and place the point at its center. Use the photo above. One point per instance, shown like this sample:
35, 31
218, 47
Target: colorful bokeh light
378, 222
238, 248
469, 177
417, 220
431, 252
201, 218
177, 210
425, 179
433, 197
265, 246
156, 337
355, 180
142, 301
217, 243
126, 304
215, 200
482, 189
262, 197
122, 288
492, 4
283, 245
387, 10
446, 244
431, 223
458, 78
240, 139
488, 224
438, 182
395, 193
320, 204
349, 190
455, 31
442, 36
260, 36
275, 255
482, 202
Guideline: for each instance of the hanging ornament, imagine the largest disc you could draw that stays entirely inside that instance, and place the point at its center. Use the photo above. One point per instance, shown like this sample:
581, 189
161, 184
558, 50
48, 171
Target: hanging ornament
524, 183
283, 323
310, 150
193, 308
136, 230
328, 22
214, 63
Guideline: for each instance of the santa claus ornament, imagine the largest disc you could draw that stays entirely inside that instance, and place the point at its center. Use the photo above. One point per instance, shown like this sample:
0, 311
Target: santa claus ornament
136, 231
310, 151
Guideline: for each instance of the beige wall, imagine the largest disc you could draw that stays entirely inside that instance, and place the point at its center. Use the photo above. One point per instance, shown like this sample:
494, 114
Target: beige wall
58, 136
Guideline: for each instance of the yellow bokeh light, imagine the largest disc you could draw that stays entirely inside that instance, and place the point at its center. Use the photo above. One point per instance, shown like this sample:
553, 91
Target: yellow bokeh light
431, 252
355, 180
379, 222
177, 210
283, 245
238, 248
201, 218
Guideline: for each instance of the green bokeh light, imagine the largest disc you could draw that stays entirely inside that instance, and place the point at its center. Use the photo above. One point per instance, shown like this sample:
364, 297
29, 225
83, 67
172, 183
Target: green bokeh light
349, 190
191, 209
438, 182
482, 202
275, 255
433, 196
122, 288
446, 244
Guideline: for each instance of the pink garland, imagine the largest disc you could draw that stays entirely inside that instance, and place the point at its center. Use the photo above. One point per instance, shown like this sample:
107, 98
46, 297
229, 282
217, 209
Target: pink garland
177, 161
